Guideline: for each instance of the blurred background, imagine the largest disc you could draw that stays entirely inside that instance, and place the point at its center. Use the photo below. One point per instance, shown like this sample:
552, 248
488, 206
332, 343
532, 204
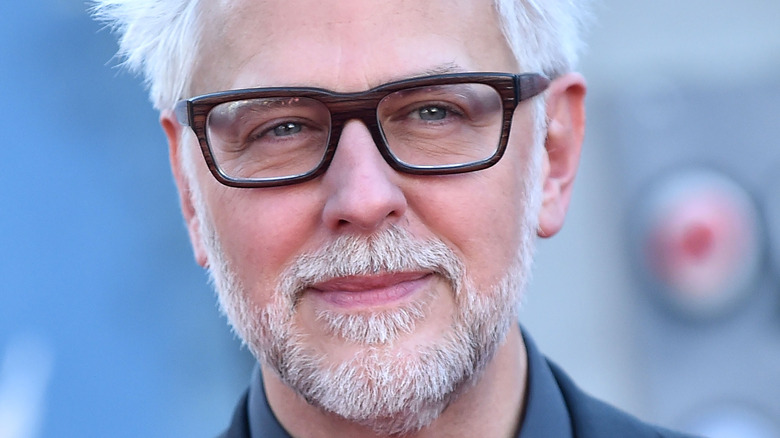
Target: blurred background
660, 295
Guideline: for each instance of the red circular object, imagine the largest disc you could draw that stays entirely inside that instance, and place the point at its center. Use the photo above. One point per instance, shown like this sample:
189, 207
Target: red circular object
701, 241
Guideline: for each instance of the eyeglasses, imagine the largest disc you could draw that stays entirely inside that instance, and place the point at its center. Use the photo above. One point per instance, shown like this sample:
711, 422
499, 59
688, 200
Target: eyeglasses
433, 125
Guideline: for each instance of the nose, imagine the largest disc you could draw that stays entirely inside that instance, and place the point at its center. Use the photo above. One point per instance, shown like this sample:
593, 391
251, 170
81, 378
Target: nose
363, 194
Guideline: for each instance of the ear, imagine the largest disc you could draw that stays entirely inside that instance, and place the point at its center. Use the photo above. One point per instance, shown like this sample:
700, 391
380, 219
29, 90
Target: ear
565, 133
173, 131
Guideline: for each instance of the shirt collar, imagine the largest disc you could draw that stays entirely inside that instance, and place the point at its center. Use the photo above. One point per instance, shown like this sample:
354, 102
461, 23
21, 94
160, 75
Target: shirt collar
262, 421
546, 413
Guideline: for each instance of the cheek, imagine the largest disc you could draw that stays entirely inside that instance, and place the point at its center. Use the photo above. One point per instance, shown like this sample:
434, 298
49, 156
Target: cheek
479, 217
481, 214
261, 231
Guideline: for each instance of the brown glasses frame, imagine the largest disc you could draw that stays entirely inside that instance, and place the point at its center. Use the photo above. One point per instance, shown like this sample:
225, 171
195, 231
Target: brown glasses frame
513, 89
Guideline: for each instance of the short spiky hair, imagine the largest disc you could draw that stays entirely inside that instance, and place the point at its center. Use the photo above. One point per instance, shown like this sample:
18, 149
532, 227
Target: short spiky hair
160, 38
544, 35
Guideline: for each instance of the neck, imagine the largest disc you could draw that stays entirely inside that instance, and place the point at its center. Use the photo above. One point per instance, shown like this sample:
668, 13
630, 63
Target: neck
499, 394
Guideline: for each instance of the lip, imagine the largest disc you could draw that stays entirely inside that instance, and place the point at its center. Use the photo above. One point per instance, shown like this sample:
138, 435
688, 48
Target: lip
370, 290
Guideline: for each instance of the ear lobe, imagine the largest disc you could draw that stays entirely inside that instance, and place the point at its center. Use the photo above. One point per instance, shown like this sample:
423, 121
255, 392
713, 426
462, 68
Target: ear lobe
173, 131
565, 133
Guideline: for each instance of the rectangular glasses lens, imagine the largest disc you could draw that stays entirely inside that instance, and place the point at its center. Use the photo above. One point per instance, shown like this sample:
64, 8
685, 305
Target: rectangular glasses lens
442, 125
267, 138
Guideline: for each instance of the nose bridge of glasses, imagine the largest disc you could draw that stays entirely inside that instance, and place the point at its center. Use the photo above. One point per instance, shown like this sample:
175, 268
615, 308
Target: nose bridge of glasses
363, 109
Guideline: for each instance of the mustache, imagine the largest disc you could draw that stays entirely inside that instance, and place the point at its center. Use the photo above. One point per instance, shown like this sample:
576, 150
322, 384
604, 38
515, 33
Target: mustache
392, 250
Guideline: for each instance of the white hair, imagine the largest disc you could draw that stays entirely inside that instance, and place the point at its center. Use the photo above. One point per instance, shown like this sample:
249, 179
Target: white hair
161, 38
544, 35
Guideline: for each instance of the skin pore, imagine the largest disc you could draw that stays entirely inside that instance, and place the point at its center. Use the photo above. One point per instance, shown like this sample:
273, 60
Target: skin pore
254, 235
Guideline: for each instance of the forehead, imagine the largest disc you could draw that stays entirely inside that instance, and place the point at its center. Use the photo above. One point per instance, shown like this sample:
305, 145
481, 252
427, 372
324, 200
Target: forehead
345, 45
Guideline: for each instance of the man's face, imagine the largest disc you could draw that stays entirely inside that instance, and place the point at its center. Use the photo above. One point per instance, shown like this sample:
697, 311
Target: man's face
262, 244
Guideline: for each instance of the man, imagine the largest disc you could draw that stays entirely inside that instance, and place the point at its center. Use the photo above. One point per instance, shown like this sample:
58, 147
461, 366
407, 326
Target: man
363, 181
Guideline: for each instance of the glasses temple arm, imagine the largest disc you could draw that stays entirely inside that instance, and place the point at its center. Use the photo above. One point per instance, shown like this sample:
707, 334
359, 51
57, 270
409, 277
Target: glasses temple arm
529, 85
181, 110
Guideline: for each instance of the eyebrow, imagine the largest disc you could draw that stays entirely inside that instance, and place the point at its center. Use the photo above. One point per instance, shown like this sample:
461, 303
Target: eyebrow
450, 67
441, 69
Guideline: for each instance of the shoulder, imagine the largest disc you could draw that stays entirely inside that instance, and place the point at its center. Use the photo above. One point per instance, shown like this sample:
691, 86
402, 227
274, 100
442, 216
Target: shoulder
594, 418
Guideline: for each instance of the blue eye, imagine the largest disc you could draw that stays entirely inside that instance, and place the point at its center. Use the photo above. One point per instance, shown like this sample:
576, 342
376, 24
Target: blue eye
288, 128
432, 113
